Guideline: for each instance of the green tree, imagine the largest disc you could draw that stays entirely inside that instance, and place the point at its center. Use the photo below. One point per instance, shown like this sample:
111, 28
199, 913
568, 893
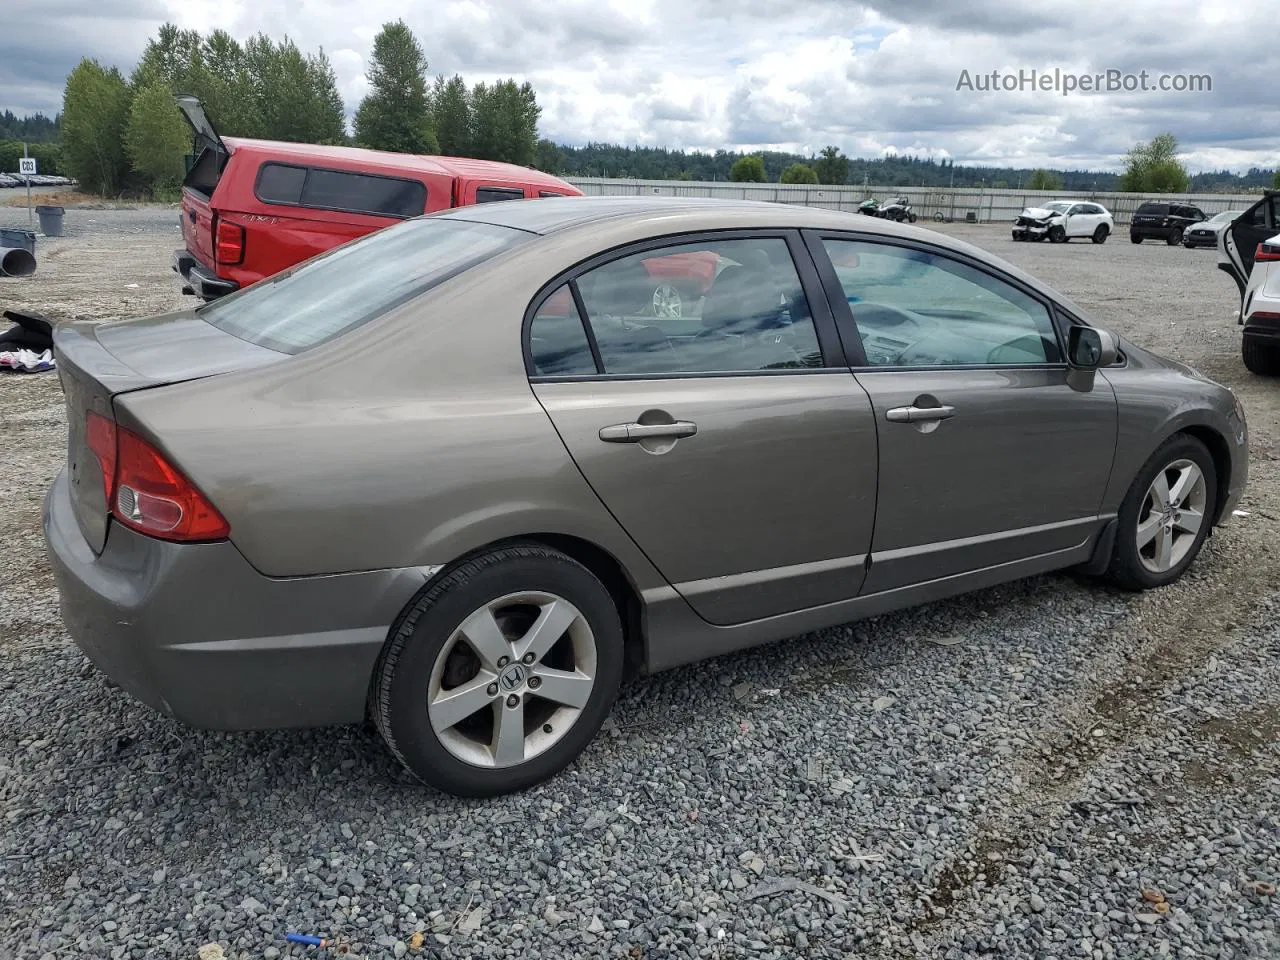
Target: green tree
451, 115
95, 105
1153, 167
832, 166
1043, 180
548, 159
748, 169
799, 173
504, 122
156, 137
1275, 181
396, 115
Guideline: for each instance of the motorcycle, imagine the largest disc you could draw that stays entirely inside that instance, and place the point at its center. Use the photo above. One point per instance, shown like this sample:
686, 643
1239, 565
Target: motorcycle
898, 209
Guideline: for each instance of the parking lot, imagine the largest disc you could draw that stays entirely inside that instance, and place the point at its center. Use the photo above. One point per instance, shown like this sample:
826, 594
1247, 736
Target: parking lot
1048, 768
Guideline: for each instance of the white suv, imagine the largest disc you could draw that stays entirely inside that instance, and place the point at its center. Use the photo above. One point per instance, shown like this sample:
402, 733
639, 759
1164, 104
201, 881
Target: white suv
1060, 220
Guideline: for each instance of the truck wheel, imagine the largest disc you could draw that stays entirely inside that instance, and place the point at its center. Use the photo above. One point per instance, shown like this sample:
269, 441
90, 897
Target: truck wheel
1259, 357
1134, 238
1175, 237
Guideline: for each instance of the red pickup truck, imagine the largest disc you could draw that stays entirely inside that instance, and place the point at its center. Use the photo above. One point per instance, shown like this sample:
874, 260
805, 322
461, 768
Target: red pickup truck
251, 208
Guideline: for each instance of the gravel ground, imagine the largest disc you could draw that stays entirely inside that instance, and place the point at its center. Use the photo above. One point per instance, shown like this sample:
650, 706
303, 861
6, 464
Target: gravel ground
1049, 768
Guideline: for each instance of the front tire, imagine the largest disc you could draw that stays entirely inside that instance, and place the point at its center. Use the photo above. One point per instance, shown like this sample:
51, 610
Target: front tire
1057, 235
1100, 235
1165, 516
500, 673
667, 301
1259, 357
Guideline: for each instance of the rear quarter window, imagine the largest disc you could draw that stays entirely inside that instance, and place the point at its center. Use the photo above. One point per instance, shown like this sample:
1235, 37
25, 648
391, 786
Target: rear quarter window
322, 189
497, 194
350, 285
1154, 209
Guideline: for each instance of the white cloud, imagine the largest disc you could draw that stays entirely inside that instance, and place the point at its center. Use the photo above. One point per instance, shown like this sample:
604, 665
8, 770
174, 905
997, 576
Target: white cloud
872, 77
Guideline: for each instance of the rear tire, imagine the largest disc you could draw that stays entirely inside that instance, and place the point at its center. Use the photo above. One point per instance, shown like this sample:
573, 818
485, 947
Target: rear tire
1136, 561
1100, 235
1134, 238
1260, 358
1175, 237
440, 652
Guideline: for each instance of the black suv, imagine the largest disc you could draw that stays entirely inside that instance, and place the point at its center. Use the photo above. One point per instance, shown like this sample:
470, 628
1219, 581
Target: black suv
1162, 220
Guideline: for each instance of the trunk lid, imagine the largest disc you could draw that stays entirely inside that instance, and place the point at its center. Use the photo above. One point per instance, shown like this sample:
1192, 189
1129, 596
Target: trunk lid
210, 155
100, 361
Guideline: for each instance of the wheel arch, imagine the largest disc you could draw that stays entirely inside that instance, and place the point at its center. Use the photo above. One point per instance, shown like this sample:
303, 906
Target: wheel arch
1220, 451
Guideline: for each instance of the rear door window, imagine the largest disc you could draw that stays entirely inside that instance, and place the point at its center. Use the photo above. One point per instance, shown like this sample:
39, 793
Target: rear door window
357, 282
342, 190
497, 194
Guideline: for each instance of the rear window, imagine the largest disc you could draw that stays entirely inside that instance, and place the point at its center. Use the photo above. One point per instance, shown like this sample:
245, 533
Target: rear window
495, 194
352, 284
1154, 209
323, 189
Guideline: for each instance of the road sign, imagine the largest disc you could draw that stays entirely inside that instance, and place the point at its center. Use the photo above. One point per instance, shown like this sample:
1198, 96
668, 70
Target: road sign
27, 165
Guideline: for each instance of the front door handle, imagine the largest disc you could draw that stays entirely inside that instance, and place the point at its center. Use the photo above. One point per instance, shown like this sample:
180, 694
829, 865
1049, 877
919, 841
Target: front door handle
919, 414
636, 432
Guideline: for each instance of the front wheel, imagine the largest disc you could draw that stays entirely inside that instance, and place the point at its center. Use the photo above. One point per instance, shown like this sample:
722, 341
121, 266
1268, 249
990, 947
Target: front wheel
1165, 516
1057, 235
1134, 238
911, 217
500, 673
1100, 235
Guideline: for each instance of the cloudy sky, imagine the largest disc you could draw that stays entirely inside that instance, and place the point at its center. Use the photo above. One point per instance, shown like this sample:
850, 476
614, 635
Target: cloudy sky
873, 77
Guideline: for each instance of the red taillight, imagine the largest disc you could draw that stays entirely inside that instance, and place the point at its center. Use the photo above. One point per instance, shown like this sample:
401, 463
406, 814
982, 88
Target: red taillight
145, 492
1264, 315
1266, 251
229, 243
100, 436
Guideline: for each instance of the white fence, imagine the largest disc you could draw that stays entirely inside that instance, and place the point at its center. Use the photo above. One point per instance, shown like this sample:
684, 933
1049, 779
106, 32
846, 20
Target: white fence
959, 203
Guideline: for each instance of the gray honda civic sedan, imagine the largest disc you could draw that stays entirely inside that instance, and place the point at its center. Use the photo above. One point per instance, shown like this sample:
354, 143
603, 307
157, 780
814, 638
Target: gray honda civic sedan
462, 474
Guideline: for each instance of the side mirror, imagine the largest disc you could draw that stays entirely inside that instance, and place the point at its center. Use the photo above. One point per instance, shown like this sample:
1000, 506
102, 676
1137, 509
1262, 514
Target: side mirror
1089, 348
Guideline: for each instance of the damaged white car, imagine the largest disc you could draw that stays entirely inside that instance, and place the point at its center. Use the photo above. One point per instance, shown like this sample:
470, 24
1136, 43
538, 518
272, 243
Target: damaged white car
1060, 220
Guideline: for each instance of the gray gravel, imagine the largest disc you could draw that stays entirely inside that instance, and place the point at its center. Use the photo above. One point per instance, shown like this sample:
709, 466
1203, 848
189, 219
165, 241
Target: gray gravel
1002, 773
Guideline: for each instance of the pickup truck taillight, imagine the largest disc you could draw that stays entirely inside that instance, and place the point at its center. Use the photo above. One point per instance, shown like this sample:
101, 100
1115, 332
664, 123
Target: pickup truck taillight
229, 243
145, 492
1266, 252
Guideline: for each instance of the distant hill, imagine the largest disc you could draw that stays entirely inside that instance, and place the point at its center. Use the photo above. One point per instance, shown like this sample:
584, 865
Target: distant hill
658, 163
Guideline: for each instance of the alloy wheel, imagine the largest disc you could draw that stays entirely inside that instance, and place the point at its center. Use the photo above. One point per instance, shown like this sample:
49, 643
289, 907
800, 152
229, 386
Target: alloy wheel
667, 301
1171, 516
512, 680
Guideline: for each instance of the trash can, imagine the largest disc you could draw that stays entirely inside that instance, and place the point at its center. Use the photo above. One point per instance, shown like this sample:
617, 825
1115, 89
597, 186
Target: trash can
50, 220
18, 239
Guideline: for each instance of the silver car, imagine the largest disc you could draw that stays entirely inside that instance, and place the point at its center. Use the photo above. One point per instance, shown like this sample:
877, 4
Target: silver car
463, 474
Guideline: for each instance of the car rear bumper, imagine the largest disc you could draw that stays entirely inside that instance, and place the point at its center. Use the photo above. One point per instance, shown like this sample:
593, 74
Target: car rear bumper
193, 631
200, 281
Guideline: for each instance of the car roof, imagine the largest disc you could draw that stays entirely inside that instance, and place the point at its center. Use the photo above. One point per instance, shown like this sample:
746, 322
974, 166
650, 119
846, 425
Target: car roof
391, 162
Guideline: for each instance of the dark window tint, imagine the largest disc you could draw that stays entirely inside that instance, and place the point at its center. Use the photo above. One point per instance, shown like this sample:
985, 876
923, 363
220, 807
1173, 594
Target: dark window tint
1154, 209
205, 172
919, 309
278, 183
364, 194
727, 306
352, 284
557, 339
549, 193
495, 194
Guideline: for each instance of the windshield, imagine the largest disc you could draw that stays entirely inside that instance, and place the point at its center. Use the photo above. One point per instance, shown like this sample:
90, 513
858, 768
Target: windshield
1226, 216
352, 284
1058, 206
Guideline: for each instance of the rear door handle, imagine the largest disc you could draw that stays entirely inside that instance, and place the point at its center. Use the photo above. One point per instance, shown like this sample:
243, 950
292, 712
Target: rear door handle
635, 432
918, 414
